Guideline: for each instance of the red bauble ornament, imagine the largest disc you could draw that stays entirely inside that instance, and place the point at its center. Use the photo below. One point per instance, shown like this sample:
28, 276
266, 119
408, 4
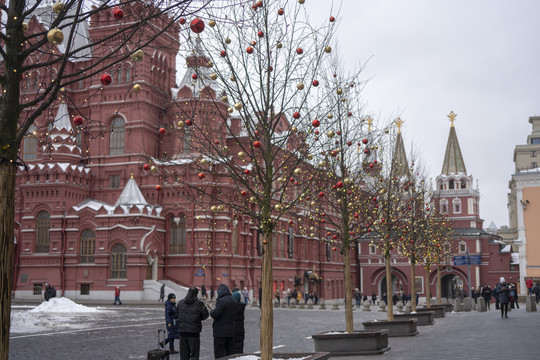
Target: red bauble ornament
281, 11
334, 237
316, 123
194, 76
254, 6
257, 133
260, 34
189, 122
339, 184
197, 26
349, 143
216, 142
182, 21
333, 153
259, 4
316, 132
315, 83
299, 51
349, 113
321, 194
146, 167
200, 175
257, 144
296, 115
291, 222
291, 179
249, 50
333, 248
332, 19
270, 69
366, 151
106, 79
162, 131
78, 120
158, 187
247, 172
365, 141
118, 13
223, 53
244, 193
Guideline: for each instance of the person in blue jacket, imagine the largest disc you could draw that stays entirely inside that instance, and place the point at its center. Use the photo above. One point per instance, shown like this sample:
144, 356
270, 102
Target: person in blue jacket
224, 315
171, 319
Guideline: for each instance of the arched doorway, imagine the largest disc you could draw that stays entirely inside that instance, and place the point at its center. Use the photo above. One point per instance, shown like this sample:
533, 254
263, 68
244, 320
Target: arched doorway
395, 287
451, 286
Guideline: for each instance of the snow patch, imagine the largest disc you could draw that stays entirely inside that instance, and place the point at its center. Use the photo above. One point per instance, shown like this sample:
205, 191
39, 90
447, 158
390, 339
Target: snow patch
61, 305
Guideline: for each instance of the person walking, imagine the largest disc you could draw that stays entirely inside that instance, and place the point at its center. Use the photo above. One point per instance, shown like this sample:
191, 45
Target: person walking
529, 284
536, 291
260, 297
224, 316
117, 296
486, 294
239, 332
204, 294
245, 295
171, 319
504, 297
513, 296
357, 297
191, 313
162, 293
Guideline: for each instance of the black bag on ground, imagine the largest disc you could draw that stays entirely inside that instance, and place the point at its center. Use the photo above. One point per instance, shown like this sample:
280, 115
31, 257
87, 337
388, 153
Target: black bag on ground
159, 354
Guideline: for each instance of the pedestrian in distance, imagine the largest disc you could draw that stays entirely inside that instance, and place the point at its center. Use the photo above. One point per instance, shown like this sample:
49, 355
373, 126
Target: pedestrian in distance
289, 297
239, 332
224, 315
504, 297
204, 294
191, 313
260, 297
513, 296
277, 297
171, 319
162, 293
486, 294
357, 297
373, 298
117, 296
245, 295
529, 284
536, 291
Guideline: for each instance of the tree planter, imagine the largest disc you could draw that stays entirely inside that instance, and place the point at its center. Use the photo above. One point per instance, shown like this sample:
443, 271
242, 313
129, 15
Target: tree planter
395, 328
447, 307
307, 356
422, 318
357, 343
438, 310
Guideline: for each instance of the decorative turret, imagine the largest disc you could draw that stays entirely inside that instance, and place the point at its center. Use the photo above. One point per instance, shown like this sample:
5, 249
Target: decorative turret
63, 144
453, 160
400, 165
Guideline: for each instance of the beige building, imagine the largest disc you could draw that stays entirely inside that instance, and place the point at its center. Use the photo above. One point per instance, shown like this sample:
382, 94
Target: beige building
523, 232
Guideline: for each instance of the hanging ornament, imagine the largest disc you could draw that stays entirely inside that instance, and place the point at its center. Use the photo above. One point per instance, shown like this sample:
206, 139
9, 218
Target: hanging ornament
328, 49
257, 144
25, 26
349, 143
212, 23
249, 50
332, 19
321, 194
213, 76
300, 86
162, 131
279, 45
146, 167
223, 53
58, 7
194, 76
137, 56
316, 123
55, 36
365, 141
197, 26
244, 193
189, 122
158, 187
299, 51
224, 98
247, 172
106, 79
260, 34
281, 11
153, 169
78, 120
296, 115
182, 21
200, 175
238, 106
301, 1
137, 87
315, 83
118, 13
339, 91
227, 41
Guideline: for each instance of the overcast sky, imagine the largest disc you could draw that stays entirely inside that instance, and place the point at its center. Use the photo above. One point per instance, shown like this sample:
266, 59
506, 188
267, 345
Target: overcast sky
479, 58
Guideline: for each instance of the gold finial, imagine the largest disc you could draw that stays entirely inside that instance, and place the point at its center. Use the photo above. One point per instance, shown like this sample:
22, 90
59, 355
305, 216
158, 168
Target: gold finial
399, 122
369, 121
132, 175
452, 117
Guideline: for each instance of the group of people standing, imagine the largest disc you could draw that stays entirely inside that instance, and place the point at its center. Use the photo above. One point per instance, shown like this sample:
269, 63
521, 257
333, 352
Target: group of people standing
184, 322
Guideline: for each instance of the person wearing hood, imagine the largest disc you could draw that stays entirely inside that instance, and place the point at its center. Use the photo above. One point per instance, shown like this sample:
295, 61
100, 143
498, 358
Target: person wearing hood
224, 315
239, 332
504, 297
191, 313
171, 319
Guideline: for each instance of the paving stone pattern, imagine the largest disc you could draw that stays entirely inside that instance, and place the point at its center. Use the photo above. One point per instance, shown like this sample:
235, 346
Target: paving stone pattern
128, 332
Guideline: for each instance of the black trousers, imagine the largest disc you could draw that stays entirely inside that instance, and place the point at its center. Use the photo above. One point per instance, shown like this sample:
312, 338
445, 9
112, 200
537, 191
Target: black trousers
189, 347
223, 346
504, 309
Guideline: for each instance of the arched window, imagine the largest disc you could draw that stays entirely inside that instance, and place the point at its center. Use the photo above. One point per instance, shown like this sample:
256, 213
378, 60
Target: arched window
118, 262
119, 73
456, 203
30, 144
444, 206
451, 184
42, 236
128, 73
87, 247
234, 237
117, 136
463, 184
178, 235
187, 139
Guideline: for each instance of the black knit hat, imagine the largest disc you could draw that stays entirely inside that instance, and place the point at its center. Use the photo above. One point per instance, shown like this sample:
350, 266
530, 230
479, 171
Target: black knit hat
171, 296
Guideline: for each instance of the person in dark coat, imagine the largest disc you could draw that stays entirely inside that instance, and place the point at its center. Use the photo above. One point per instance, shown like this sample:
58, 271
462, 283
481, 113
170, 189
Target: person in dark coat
239, 333
486, 294
224, 315
513, 296
171, 319
191, 313
162, 293
504, 297
260, 297
496, 296
204, 294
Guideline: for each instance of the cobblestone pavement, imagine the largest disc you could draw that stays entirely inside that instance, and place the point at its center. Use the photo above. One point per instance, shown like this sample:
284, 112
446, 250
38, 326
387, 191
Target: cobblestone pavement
128, 332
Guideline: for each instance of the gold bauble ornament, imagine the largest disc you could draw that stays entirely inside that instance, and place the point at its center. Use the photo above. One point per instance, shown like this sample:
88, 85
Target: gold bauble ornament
137, 55
213, 76
312, 203
181, 124
227, 41
330, 116
279, 45
226, 148
339, 91
331, 134
211, 23
221, 207
321, 163
25, 26
328, 49
347, 181
386, 131
344, 99
55, 36
153, 169
238, 106
312, 234
232, 78
230, 110
58, 7
278, 207
309, 156
339, 201
297, 171
300, 86
137, 87
252, 199
294, 129
281, 180
301, 1
209, 64
225, 99
213, 208
241, 154
203, 161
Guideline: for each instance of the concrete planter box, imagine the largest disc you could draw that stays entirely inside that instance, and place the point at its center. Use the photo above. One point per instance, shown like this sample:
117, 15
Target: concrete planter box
358, 343
395, 328
438, 310
422, 318
308, 356
447, 307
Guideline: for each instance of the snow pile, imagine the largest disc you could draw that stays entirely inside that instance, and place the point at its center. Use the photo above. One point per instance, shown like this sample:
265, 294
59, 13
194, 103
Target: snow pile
61, 305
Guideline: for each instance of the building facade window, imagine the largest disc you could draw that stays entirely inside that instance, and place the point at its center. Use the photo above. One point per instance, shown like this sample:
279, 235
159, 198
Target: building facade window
88, 244
85, 289
118, 262
114, 181
533, 153
117, 136
534, 164
462, 247
30, 144
456, 203
234, 237
186, 146
290, 244
444, 206
178, 236
372, 249
38, 289
42, 235
328, 251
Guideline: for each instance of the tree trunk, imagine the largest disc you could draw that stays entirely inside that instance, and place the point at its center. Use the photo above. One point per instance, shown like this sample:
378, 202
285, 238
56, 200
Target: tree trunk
267, 310
389, 302
349, 326
439, 289
428, 290
7, 216
413, 287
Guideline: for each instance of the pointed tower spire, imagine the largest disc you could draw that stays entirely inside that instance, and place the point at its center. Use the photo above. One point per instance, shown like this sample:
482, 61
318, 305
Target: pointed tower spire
453, 160
399, 160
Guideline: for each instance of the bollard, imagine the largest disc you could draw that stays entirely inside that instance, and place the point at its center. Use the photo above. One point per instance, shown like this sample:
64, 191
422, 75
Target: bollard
255, 303
335, 306
530, 303
322, 306
365, 306
458, 306
408, 307
481, 304
467, 306
310, 304
382, 306
399, 306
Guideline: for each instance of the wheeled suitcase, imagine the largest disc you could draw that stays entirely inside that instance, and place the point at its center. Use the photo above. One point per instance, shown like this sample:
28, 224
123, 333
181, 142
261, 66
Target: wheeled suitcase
159, 354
